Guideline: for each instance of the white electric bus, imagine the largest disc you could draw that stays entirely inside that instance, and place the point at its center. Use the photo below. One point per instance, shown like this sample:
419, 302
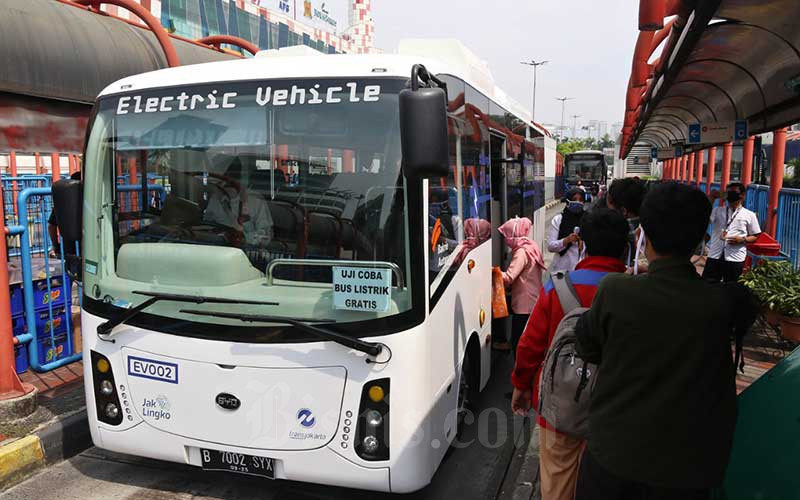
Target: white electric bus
286, 261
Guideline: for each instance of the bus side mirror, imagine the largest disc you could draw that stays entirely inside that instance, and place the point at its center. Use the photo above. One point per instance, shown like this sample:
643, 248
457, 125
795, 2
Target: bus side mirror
68, 206
423, 133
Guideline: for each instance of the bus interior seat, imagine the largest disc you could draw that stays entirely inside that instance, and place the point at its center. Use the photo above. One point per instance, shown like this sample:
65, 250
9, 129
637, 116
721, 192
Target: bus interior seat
324, 235
289, 227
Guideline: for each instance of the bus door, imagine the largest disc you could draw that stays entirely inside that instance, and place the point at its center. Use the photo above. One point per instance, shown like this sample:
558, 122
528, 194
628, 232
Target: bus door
497, 147
501, 328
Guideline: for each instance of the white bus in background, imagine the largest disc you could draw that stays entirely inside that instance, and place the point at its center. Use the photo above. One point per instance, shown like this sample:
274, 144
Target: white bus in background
287, 260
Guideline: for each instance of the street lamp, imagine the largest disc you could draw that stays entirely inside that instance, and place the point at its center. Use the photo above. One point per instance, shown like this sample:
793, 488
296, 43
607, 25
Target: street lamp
563, 103
535, 65
574, 125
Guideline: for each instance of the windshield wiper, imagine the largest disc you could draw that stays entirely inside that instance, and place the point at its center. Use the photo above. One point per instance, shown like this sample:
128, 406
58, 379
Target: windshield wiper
369, 348
104, 329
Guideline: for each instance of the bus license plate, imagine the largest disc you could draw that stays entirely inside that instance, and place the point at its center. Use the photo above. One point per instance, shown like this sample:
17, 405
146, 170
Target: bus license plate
238, 462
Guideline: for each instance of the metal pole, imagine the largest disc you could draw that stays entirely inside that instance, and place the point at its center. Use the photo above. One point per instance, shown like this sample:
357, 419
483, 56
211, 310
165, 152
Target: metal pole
574, 124
563, 106
699, 168
776, 179
533, 108
535, 65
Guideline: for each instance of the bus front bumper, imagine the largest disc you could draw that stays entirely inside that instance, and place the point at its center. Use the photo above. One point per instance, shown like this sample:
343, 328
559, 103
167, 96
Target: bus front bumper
322, 465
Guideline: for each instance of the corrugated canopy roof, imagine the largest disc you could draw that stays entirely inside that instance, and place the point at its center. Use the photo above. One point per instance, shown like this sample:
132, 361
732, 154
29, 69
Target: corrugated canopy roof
731, 60
57, 51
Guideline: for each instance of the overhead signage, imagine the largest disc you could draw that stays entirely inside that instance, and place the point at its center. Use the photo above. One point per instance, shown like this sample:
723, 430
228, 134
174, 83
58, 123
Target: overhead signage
718, 132
285, 7
362, 289
670, 153
323, 15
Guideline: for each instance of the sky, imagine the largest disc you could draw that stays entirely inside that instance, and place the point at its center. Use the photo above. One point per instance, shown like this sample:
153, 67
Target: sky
588, 43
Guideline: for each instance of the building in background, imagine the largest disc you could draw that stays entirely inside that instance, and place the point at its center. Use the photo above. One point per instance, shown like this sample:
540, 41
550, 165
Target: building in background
331, 27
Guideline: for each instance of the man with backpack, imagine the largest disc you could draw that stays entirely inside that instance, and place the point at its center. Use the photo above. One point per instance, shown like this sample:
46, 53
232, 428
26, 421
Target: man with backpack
663, 410
604, 232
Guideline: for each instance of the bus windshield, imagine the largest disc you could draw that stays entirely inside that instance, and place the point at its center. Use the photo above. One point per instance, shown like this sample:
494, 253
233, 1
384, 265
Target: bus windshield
251, 191
587, 167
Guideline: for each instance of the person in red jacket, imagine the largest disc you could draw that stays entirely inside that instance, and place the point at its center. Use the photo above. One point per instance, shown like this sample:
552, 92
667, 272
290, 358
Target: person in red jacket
605, 234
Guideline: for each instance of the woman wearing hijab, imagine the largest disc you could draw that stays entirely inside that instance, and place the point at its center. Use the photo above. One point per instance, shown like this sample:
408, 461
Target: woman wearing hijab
562, 238
524, 274
476, 231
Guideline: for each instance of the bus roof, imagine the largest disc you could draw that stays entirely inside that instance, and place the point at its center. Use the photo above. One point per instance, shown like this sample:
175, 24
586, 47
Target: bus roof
587, 152
301, 62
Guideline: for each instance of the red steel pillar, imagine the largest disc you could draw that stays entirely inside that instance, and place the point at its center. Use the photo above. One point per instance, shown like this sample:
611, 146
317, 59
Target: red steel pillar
682, 168
55, 166
690, 167
347, 161
38, 162
776, 179
727, 153
747, 161
698, 174
712, 166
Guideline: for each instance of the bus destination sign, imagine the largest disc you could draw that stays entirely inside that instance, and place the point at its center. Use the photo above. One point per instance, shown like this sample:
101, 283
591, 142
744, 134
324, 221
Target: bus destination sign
362, 289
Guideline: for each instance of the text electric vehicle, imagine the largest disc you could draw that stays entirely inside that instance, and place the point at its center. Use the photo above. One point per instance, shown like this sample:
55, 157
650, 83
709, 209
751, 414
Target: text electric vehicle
587, 167
286, 262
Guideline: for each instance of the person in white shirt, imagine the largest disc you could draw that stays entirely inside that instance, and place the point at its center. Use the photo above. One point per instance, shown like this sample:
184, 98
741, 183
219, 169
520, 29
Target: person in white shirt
733, 227
562, 237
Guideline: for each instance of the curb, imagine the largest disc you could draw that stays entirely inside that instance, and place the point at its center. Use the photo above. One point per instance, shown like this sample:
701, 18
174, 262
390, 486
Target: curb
522, 482
65, 438
19, 459
60, 440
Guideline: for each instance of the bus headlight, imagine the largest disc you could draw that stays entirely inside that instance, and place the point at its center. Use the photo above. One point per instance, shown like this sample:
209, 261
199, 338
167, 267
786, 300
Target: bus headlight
112, 411
373, 418
106, 388
105, 393
370, 444
372, 430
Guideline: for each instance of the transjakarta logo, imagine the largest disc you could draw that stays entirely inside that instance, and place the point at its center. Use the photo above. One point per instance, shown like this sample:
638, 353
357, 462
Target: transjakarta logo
306, 418
349, 92
153, 370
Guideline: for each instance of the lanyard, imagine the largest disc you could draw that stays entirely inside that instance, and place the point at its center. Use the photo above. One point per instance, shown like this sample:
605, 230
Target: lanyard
732, 218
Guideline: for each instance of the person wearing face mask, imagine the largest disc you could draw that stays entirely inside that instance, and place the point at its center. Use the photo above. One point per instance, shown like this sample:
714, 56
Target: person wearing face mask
663, 409
626, 195
733, 227
562, 237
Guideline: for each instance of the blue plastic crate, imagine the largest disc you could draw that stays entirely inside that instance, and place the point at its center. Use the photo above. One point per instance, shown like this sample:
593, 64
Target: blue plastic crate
58, 322
43, 298
17, 305
53, 349
18, 325
21, 358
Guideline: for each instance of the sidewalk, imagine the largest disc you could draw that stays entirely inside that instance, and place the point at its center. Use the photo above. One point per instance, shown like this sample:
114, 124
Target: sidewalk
57, 430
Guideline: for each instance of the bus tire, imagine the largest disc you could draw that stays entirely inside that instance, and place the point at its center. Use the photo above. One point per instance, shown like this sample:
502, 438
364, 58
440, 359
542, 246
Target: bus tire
468, 383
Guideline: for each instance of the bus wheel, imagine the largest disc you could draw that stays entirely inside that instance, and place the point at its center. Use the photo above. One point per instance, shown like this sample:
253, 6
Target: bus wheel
467, 391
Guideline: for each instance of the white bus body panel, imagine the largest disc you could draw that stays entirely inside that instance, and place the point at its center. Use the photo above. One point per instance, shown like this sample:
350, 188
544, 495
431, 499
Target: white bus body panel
329, 456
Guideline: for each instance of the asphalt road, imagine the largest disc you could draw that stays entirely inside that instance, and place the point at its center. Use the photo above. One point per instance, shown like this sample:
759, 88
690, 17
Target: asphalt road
473, 472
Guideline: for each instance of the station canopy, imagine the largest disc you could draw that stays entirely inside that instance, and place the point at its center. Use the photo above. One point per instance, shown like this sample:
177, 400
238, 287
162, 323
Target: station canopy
723, 60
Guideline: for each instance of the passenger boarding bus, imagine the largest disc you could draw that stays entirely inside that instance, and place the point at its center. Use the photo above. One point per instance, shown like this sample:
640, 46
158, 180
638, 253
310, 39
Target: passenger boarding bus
588, 167
286, 261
